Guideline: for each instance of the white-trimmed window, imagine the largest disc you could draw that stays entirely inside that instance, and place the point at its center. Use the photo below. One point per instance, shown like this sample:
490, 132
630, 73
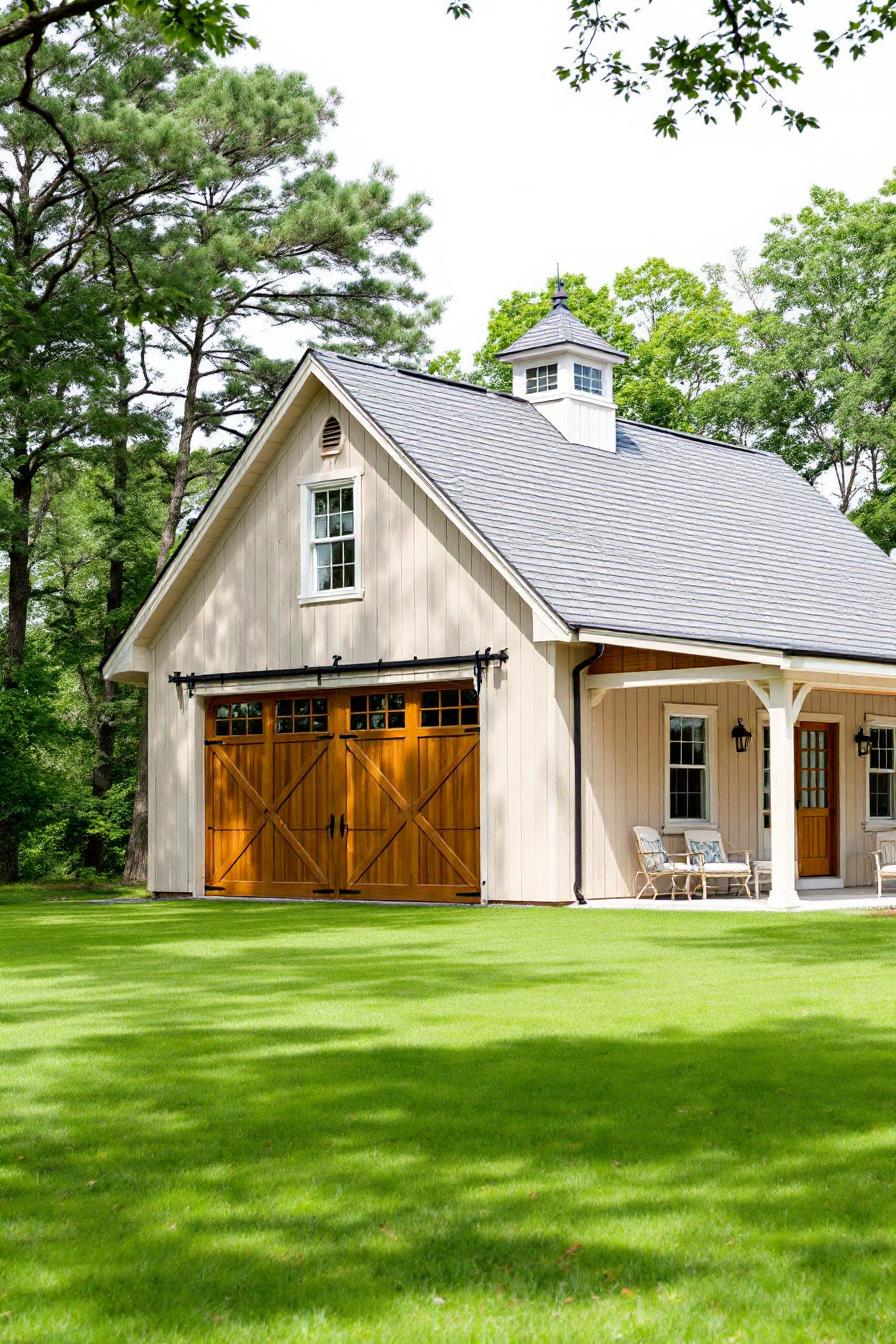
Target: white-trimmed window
587, 378
331, 538
765, 766
541, 378
882, 772
690, 755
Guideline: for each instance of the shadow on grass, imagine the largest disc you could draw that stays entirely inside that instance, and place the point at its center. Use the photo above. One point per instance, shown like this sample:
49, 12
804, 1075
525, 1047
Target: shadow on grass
237, 1117
803, 939
263, 1171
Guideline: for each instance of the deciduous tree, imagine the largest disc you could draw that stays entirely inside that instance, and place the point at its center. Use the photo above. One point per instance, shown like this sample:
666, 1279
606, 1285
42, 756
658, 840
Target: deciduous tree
819, 361
723, 56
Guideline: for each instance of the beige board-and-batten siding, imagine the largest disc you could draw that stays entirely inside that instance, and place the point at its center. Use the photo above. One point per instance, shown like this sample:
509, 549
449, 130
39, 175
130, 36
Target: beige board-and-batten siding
625, 775
427, 592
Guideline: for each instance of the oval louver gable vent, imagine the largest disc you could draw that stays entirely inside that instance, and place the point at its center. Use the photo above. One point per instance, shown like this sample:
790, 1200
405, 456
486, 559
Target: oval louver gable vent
331, 437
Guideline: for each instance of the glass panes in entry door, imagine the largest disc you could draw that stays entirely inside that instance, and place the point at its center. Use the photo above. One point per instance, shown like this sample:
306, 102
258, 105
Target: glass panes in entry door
814, 766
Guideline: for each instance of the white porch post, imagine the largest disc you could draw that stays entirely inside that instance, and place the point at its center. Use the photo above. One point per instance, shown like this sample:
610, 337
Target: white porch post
782, 712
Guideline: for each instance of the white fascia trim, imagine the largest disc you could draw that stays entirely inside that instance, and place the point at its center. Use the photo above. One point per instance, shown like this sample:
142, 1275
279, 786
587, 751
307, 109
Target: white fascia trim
129, 662
844, 667
732, 653
548, 619
550, 352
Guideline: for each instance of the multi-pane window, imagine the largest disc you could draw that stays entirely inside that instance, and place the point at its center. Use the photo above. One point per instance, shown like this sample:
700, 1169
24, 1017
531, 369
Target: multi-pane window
305, 714
688, 767
333, 538
541, 378
242, 718
881, 766
586, 378
379, 710
448, 708
766, 777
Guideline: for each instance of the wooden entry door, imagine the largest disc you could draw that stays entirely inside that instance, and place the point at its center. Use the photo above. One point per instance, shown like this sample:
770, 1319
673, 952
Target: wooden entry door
364, 793
816, 746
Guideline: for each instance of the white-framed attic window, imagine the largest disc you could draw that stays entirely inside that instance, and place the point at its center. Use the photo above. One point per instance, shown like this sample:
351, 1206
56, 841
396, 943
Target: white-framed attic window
690, 738
331, 538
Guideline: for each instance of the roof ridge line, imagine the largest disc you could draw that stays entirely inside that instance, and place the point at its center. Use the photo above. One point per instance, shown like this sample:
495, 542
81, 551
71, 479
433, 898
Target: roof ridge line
686, 434
420, 373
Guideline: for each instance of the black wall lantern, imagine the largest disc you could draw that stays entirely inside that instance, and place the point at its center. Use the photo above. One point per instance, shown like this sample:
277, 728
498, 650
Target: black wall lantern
742, 736
862, 741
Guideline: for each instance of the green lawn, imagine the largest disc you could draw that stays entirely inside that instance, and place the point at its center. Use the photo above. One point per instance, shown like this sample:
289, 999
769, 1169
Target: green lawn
268, 1123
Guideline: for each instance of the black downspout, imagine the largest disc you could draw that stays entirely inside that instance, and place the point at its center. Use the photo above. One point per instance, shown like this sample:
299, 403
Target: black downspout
577, 766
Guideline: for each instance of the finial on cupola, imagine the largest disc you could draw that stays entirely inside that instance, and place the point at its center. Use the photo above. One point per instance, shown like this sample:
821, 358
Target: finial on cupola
558, 299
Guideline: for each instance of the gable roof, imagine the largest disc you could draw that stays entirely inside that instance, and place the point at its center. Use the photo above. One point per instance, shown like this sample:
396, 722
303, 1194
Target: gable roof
560, 327
672, 536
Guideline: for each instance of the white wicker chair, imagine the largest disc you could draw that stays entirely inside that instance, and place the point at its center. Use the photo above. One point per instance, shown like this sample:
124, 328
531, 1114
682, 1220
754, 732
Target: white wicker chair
719, 862
655, 865
884, 859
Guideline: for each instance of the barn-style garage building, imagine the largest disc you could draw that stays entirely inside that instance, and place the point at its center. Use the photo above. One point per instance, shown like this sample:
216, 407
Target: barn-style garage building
432, 642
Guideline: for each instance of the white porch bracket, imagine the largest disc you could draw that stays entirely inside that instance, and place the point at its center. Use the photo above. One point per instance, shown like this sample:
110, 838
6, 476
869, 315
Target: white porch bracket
599, 683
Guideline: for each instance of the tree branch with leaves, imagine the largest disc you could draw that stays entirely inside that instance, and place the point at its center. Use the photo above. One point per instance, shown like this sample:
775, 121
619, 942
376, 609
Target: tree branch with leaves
738, 53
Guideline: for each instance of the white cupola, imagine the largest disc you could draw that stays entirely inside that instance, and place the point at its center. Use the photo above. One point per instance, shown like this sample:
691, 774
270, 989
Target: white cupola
566, 370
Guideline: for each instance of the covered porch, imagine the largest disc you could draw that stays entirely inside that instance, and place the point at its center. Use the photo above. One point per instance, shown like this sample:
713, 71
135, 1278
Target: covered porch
845, 900
790, 757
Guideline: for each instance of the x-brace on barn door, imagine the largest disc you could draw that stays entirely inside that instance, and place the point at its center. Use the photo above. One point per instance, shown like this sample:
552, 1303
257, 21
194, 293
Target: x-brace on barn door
360, 793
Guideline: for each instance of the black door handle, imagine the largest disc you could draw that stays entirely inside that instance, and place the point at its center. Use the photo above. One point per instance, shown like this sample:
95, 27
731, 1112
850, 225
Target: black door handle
331, 824
343, 827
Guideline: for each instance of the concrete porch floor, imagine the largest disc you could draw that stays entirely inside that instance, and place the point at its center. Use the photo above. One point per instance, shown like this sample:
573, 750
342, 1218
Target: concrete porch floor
837, 898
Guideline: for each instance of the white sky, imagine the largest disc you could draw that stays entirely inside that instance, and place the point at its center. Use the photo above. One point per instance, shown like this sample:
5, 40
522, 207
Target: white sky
523, 173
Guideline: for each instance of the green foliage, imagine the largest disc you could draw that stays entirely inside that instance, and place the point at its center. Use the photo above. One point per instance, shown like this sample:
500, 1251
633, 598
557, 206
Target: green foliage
450, 365
819, 356
189, 24
736, 52
157, 212
687, 333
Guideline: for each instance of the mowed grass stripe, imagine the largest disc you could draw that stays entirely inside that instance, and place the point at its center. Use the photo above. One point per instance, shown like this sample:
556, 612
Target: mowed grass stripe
244, 1123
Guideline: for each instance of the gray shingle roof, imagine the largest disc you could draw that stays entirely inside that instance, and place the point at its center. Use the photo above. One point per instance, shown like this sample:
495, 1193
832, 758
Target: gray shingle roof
672, 535
560, 327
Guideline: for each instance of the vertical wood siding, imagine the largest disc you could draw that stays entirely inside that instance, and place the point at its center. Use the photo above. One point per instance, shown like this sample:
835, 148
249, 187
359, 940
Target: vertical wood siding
624, 766
427, 593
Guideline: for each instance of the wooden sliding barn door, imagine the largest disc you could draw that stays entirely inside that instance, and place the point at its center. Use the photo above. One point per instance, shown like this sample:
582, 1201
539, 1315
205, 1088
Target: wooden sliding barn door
268, 785
369, 794
412, 795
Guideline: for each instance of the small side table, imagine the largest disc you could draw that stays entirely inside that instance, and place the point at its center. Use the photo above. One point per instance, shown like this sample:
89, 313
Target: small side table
762, 872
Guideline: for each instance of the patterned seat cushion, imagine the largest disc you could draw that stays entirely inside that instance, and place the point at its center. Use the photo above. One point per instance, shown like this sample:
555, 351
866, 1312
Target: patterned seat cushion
654, 855
710, 849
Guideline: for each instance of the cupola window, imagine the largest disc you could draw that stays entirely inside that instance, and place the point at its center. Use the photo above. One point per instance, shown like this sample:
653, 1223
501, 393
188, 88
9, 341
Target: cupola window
586, 378
541, 378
